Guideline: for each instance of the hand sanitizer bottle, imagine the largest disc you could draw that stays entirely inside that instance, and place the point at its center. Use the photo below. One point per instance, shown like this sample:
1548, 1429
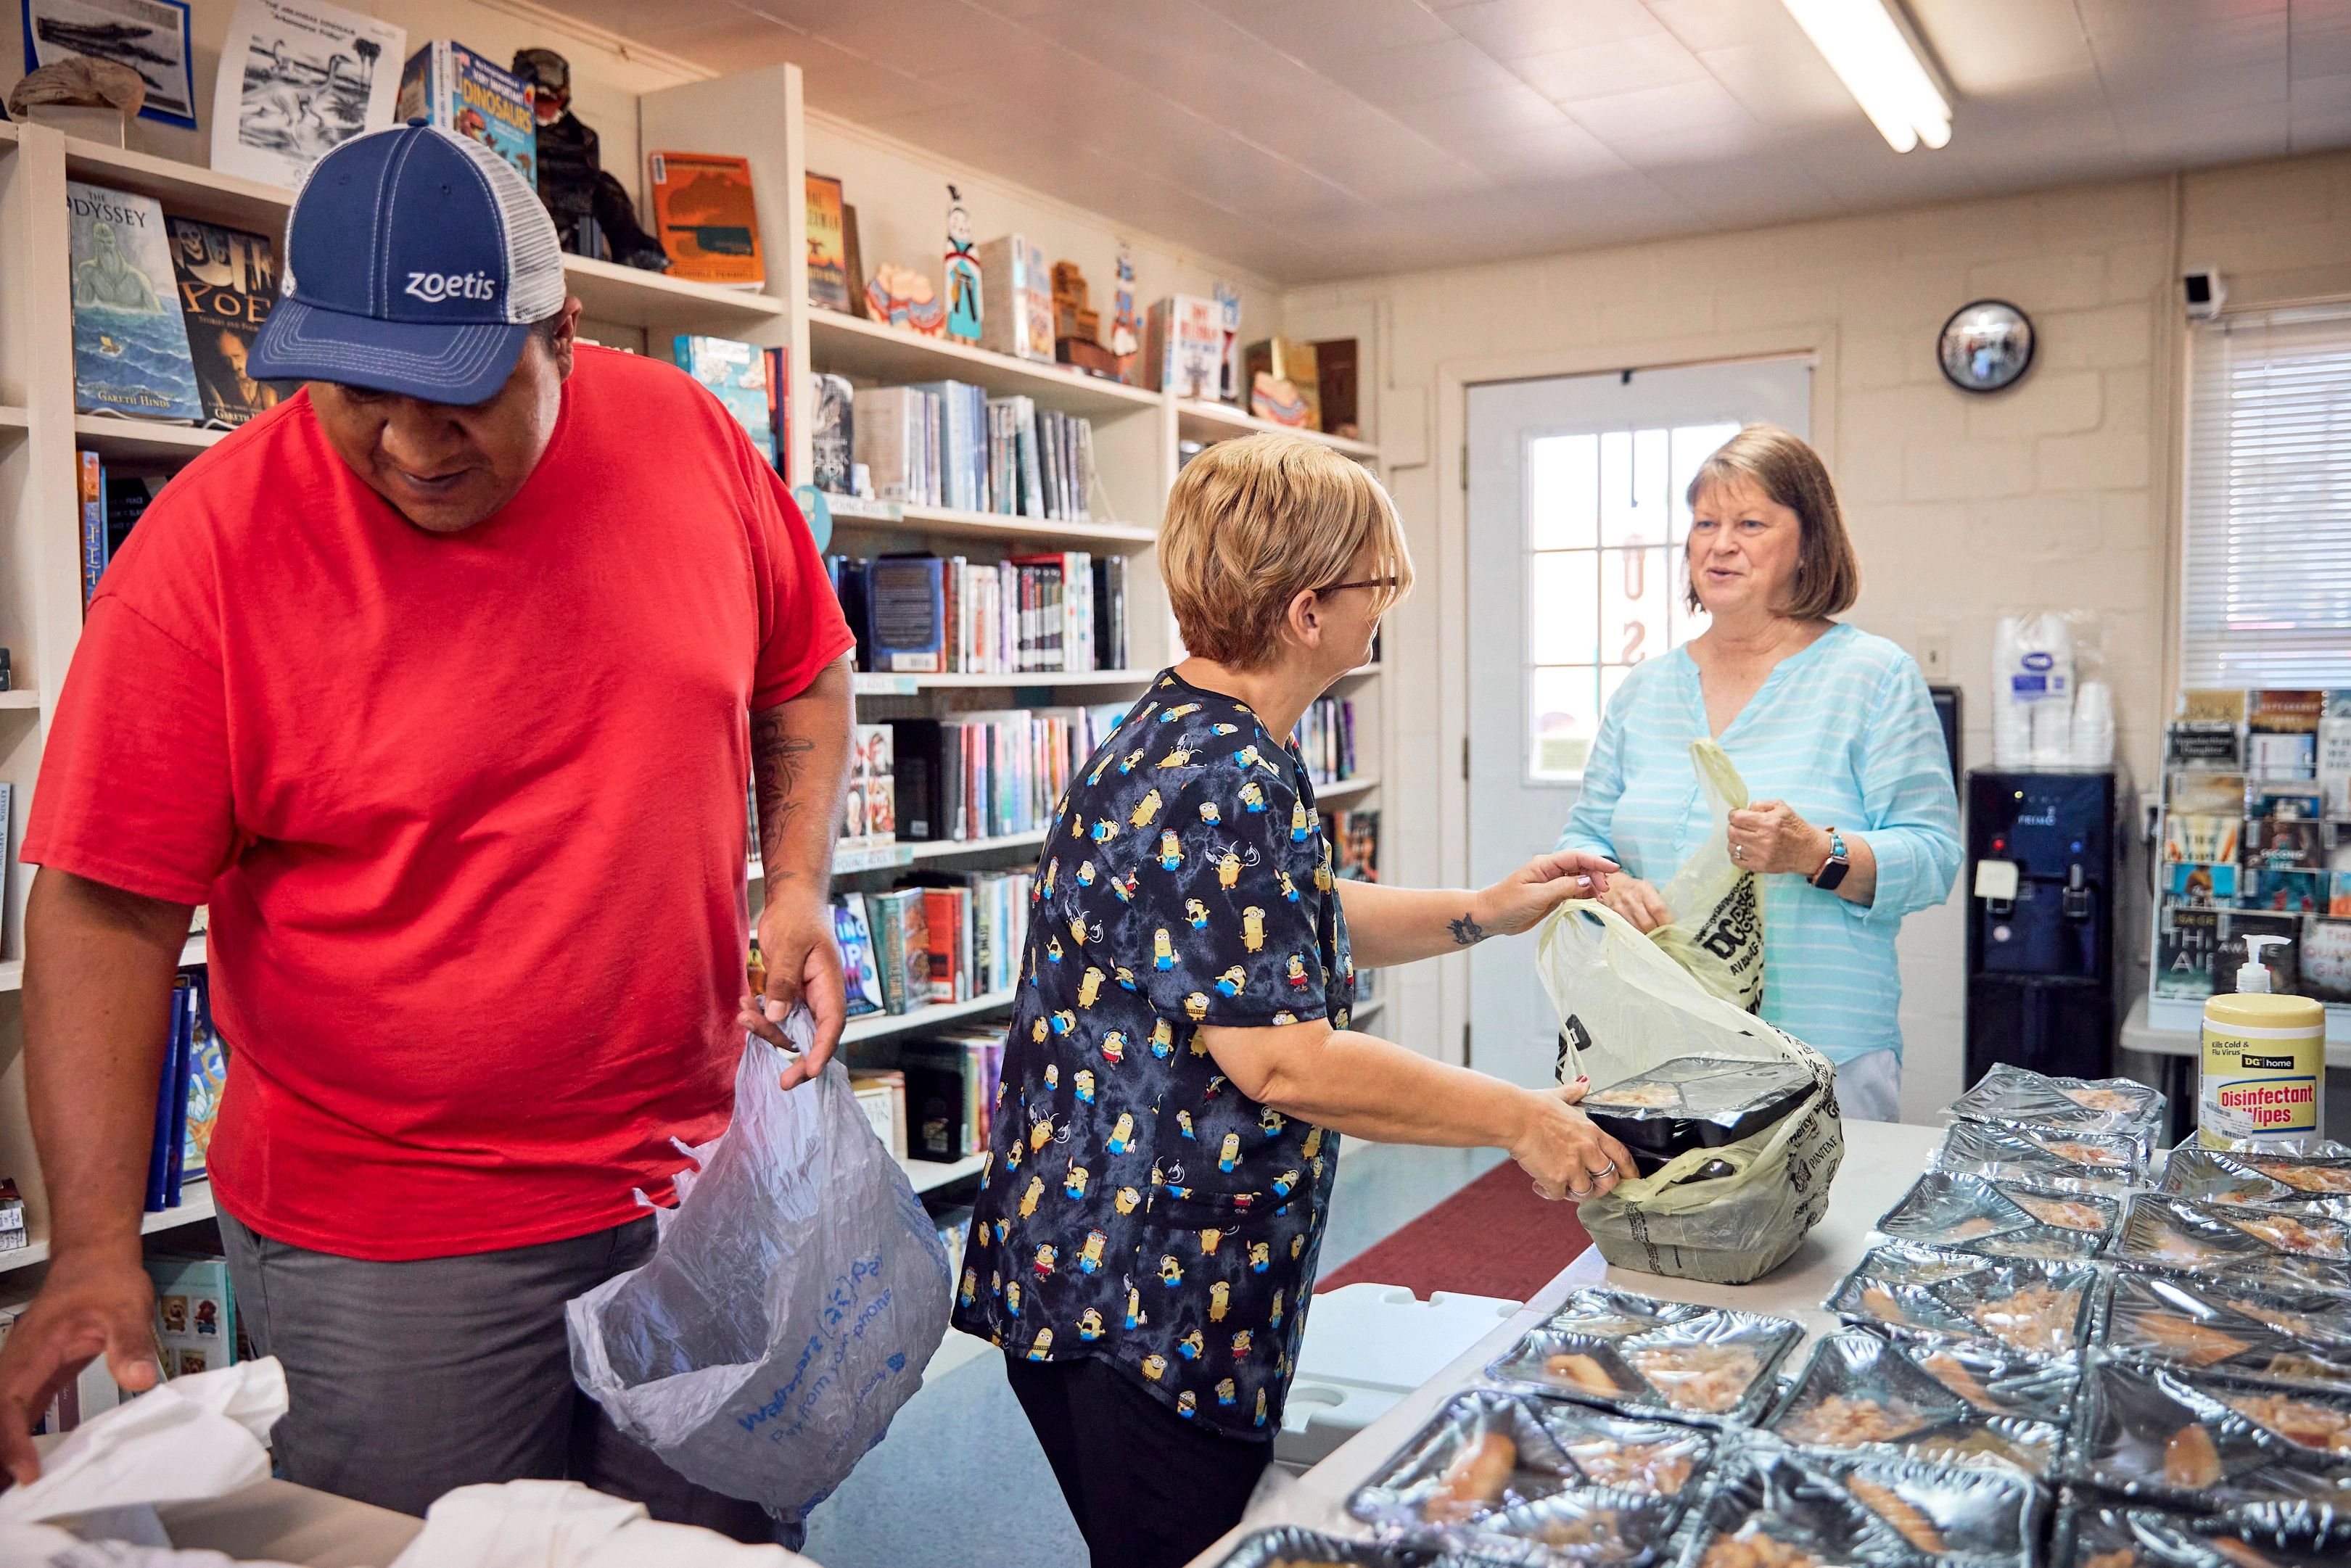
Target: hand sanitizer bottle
2264, 1064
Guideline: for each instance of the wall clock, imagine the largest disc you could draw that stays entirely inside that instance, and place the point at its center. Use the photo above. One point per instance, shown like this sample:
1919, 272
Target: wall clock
1985, 346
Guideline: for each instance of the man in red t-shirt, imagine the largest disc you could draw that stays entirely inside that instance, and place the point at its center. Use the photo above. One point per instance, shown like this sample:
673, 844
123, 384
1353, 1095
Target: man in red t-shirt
439, 684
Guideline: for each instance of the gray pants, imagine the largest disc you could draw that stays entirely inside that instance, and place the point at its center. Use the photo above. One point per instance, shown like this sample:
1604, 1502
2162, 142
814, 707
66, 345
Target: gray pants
407, 1379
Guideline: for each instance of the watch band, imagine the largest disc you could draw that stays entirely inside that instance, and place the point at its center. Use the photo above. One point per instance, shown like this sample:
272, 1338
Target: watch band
1831, 876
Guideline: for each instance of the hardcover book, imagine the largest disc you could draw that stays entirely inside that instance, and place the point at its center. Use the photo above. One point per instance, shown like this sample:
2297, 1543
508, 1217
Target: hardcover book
901, 947
131, 346
227, 282
906, 613
195, 1314
455, 89
833, 437
827, 246
2186, 940
1017, 298
2326, 961
862, 979
705, 218
1183, 347
737, 373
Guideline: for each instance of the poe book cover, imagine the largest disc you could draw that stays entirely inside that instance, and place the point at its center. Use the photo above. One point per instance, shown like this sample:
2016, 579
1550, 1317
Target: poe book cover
228, 282
131, 348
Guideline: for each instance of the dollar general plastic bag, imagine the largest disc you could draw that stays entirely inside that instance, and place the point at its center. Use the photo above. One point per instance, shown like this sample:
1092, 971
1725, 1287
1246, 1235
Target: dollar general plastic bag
1724, 1215
796, 1294
1717, 904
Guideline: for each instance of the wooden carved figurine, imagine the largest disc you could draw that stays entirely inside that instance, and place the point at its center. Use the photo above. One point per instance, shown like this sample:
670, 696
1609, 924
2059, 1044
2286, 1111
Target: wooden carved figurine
962, 274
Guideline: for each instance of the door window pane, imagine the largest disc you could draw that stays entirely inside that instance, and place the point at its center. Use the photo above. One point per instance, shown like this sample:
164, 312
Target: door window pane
1563, 492
1562, 718
1563, 619
1636, 593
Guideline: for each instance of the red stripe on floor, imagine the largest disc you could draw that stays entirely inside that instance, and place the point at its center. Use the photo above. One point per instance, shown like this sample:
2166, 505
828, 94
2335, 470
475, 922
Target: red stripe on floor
1494, 1238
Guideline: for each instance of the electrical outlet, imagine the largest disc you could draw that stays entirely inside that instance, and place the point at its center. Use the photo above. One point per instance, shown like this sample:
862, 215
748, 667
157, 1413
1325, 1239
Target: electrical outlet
1935, 655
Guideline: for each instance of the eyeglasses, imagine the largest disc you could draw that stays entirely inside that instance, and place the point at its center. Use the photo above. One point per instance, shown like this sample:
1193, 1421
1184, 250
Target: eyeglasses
1367, 583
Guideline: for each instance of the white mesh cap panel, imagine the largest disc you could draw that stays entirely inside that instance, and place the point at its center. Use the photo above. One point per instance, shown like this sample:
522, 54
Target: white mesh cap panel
534, 255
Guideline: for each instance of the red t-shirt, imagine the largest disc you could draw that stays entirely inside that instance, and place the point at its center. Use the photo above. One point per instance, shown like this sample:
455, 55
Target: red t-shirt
468, 808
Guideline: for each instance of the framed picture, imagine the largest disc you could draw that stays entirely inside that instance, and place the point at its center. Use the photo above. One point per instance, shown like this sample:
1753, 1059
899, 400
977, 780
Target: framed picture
150, 37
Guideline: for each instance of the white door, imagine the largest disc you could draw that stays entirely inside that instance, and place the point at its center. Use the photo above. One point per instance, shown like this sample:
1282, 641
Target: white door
1576, 520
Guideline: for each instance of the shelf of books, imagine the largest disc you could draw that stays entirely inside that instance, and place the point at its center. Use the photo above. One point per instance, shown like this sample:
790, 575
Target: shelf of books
877, 352
195, 1206
631, 297
879, 1026
1345, 789
895, 685
119, 439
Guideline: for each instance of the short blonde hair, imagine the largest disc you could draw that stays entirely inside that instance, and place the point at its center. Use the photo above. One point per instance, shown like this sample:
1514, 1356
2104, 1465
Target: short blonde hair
1254, 522
1783, 467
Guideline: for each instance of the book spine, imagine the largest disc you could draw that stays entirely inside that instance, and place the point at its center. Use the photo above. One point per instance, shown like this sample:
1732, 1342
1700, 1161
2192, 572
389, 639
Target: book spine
91, 481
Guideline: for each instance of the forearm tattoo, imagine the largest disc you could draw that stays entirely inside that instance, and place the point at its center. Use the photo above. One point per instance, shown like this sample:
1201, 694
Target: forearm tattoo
1466, 933
779, 759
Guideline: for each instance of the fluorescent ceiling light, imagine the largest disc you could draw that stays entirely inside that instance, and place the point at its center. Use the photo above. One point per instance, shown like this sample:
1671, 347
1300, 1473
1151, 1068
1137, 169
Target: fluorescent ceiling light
1878, 67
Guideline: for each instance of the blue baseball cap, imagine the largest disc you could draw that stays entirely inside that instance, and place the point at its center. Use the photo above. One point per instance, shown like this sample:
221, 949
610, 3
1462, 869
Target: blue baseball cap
416, 260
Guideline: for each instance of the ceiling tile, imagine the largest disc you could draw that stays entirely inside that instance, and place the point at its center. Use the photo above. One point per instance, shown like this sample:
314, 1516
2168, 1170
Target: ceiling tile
1326, 29
1986, 45
1781, 84
2320, 45
1543, 156
1719, 24
1464, 117
1685, 108
1628, 65
926, 37
1420, 71
851, 86
1514, 29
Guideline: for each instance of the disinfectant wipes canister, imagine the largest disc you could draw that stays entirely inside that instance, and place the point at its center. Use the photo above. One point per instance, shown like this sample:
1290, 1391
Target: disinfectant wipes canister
2264, 1062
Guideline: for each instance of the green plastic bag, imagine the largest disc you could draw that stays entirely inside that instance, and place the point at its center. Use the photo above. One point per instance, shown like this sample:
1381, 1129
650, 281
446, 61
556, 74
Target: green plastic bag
1627, 1004
1715, 931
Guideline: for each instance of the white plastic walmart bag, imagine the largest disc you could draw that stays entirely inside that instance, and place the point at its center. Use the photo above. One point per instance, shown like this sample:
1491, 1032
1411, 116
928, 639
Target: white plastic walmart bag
1627, 1003
797, 1293
1715, 931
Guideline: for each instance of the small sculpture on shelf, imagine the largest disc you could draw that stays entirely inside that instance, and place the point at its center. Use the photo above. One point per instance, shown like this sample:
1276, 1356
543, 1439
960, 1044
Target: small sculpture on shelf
1125, 327
962, 273
904, 297
81, 96
593, 213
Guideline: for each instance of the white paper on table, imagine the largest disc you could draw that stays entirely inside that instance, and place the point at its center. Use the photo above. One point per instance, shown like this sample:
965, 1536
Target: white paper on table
298, 80
53, 1548
195, 1438
562, 1524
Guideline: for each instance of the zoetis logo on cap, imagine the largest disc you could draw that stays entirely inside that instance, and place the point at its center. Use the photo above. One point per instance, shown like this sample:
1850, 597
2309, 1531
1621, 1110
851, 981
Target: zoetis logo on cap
433, 287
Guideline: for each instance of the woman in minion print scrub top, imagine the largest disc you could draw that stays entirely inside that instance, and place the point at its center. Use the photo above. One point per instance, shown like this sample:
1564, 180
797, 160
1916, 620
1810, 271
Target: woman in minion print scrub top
1180, 1066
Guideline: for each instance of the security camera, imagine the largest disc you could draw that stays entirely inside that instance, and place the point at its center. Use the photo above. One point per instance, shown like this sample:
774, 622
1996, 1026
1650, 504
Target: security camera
2205, 291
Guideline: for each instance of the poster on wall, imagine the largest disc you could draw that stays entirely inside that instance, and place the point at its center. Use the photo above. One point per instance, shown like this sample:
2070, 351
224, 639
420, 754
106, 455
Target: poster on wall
298, 79
150, 37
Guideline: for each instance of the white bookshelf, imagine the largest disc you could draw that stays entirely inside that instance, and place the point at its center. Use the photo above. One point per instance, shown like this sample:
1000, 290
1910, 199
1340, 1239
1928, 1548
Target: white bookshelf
929, 1176
1350, 791
759, 114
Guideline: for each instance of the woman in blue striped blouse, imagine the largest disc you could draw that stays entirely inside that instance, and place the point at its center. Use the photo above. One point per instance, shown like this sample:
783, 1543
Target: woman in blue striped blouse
1852, 817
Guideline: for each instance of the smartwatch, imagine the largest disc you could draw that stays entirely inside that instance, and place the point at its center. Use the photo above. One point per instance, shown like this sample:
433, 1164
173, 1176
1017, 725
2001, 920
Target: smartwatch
1831, 876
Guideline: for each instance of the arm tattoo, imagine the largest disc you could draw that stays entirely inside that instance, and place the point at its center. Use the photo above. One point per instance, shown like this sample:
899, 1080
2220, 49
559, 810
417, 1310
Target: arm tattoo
779, 758
1466, 932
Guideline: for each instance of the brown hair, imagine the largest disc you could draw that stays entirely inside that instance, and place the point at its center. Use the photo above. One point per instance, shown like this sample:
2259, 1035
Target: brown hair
1788, 471
1254, 522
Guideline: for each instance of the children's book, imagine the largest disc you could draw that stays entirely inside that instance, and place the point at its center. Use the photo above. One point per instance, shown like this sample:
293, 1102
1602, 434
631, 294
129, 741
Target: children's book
131, 344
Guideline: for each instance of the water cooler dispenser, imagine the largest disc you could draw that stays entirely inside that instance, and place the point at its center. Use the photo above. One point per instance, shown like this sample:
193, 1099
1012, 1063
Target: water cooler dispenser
2042, 878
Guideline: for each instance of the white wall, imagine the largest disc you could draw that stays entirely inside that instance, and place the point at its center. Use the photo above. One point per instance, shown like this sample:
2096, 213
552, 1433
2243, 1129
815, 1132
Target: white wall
2059, 492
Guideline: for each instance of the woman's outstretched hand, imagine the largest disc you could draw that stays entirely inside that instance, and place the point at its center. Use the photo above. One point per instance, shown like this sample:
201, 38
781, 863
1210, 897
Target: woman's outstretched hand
1519, 901
1567, 1155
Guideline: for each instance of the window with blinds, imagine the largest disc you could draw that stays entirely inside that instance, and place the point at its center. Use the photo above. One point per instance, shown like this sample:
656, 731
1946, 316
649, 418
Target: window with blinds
2265, 582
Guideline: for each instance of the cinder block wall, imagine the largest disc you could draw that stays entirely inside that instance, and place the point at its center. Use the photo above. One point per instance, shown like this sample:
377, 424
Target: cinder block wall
2059, 493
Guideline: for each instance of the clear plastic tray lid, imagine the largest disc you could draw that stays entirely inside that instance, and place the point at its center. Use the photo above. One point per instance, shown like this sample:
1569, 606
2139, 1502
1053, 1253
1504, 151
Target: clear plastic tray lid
1512, 1477
2272, 1247
2010, 1093
2094, 1533
2046, 1159
2227, 1326
2037, 1309
1771, 1506
2293, 1181
2204, 1440
1972, 1214
1637, 1354
1702, 1088
1936, 1401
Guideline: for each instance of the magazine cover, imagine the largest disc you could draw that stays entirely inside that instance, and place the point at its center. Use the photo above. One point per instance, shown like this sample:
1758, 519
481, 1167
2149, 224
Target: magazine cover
297, 81
228, 282
150, 37
130, 347
474, 96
